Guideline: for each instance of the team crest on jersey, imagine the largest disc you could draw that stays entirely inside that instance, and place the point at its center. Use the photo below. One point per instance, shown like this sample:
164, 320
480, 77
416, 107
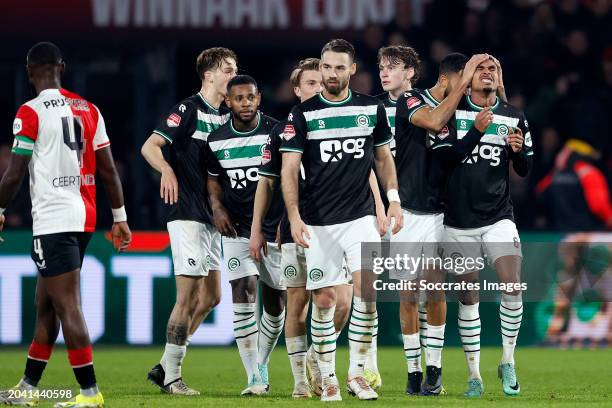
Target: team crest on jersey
17, 126
528, 141
503, 130
266, 156
362, 120
173, 120
289, 132
412, 102
444, 133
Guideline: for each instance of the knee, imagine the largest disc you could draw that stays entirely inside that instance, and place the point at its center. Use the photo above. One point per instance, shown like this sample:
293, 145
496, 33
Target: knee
325, 298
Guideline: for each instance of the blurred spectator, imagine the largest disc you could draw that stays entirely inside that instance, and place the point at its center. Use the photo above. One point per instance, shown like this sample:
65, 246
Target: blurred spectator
575, 192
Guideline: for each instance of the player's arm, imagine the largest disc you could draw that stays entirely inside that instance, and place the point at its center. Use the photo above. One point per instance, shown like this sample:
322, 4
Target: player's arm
521, 148
385, 168
122, 236
434, 119
453, 150
221, 217
292, 147
152, 152
263, 199
381, 217
11, 181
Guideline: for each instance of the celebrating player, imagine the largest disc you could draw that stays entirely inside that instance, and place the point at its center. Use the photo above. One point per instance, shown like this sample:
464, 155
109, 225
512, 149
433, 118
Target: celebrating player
61, 138
234, 154
337, 135
479, 216
424, 149
196, 245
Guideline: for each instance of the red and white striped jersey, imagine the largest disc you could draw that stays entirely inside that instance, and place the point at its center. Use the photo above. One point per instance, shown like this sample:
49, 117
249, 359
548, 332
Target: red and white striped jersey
61, 131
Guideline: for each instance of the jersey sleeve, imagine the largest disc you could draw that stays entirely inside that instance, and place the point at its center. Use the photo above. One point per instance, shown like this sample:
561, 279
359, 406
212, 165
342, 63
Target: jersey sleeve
382, 132
412, 101
212, 162
528, 142
178, 122
100, 139
294, 132
25, 129
271, 159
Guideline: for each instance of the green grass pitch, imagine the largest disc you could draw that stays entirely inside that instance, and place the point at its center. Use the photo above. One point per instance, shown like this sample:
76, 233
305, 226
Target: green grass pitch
548, 377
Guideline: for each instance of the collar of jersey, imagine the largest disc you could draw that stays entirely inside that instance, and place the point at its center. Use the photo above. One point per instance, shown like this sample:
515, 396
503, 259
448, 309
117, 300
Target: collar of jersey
479, 108
250, 132
206, 102
50, 90
393, 101
345, 100
430, 96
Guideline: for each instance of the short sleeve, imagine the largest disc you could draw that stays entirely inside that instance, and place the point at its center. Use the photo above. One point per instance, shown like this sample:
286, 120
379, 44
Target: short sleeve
212, 162
271, 159
409, 103
100, 139
528, 143
25, 129
294, 132
178, 122
381, 134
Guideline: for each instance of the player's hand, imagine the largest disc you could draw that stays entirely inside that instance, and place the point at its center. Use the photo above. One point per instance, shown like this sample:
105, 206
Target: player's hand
257, 243
381, 220
2, 219
470, 67
500, 75
223, 222
515, 140
122, 236
299, 232
483, 119
395, 212
169, 186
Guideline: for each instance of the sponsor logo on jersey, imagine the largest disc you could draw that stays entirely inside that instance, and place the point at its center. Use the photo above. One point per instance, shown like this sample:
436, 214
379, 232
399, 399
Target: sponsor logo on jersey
173, 120
226, 154
487, 152
17, 126
321, 124
182, 108
315, 275
239, 178
233, 264
444, 133
290, 272
412, 102
332, 150
528, 141
289, 132
290, 118
266, 156
503, 130
362, 120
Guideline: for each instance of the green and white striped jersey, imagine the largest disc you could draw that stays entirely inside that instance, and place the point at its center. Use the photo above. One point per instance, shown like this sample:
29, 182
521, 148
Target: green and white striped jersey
337, 141
235, 157
390, 108
187, 127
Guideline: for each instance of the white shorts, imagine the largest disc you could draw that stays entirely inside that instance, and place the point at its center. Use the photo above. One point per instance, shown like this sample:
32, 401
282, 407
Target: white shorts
330, 245
491, 242
293, 265
196, 247
418, 240
240, 264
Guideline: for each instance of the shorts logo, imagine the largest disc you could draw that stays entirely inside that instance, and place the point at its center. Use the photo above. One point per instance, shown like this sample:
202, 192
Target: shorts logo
17, 126
173, 120
315, 275
290, 272
503, 130
517, 243
289, 132
191, 262
266, 156
207, 261
233, 264
412, 102
362, 120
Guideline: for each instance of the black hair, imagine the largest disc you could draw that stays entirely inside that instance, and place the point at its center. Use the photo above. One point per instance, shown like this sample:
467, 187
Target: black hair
44, 53
452, 63
339, 45
241, 80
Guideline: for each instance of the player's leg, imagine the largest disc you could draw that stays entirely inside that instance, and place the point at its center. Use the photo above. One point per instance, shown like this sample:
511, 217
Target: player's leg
504, 249
364, 316
294, 270
324, 259
208, 297
371, 371
409, 325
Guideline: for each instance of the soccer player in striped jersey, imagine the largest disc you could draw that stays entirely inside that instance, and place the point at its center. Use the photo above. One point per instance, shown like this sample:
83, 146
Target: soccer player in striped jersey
195, 244
479, 216
234, 154
338, 135
398, 70
425, 149
61, 138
